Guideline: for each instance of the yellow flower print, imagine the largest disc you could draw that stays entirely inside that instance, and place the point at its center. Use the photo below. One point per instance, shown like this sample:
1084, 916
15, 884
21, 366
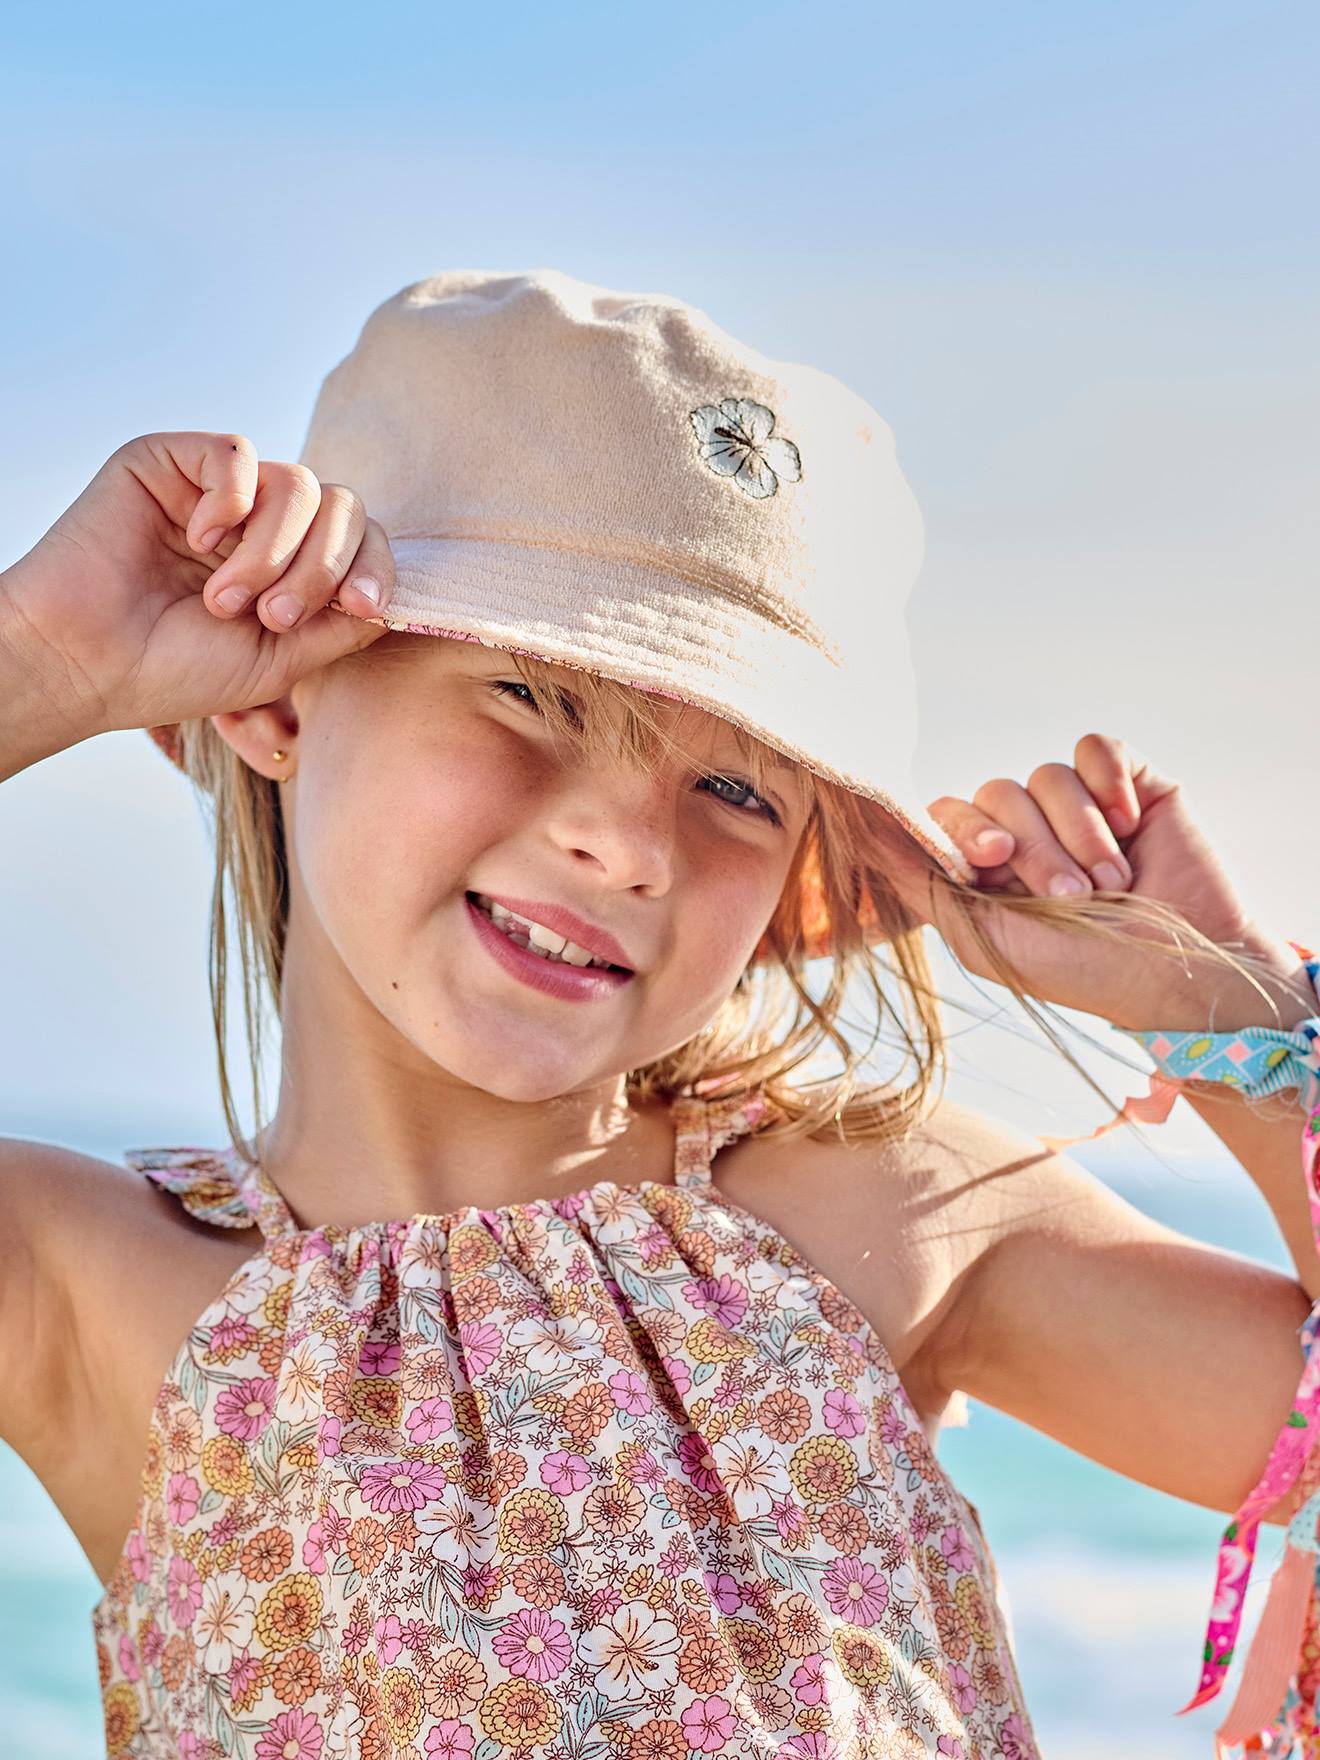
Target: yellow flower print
532, 1520
519, 1713
121, 1717
290, 1611
823, 1468
225, 1466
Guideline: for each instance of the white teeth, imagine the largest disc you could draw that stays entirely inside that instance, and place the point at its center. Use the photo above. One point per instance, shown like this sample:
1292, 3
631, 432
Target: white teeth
535, 937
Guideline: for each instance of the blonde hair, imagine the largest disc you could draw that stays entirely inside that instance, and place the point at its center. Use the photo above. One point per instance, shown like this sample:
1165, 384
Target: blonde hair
771, 1024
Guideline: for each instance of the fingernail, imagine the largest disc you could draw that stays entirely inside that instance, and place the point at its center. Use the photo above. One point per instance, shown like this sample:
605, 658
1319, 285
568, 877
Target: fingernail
285, 609
984, 839
1062, 884
365, 583
209, 538
1107, 875
232, 598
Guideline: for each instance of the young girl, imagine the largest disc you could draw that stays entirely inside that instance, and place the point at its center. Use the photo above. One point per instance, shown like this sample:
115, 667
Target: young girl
554, 1373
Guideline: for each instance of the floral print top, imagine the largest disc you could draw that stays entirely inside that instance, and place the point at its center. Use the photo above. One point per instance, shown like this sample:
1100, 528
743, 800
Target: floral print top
610, 1476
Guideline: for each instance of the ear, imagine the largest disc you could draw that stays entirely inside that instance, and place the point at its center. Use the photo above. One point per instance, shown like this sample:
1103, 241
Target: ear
257, 733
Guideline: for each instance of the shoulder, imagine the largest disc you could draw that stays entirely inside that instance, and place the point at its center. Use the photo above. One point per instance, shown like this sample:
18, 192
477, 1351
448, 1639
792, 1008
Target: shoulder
78, 1232
900, 1226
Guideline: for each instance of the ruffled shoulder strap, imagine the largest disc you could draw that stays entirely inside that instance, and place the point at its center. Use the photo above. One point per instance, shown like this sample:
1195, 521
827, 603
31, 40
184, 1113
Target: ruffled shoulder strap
704, 1123
206, 1182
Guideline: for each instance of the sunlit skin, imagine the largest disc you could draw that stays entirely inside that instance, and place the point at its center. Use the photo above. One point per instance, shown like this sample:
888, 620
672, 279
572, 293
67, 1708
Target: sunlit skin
417, 1075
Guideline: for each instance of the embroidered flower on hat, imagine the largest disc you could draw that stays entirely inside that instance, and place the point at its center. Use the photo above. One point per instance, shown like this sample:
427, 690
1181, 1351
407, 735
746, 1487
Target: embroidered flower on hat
737, 440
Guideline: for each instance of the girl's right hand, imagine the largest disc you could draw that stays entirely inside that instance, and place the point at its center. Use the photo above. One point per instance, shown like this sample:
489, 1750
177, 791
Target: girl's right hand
117, 609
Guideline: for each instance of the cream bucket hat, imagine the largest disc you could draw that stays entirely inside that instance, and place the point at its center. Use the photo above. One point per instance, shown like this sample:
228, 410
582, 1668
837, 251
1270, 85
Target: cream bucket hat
609, 480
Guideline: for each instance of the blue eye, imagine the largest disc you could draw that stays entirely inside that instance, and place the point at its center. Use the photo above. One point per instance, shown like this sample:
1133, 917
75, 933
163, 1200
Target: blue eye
762, 810
762, 807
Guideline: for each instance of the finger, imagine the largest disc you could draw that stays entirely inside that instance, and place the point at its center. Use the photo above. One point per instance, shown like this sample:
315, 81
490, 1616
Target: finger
324, 557
1078, 825
1039, 860
285, 504
1106, 766
981, 840
374, 562
322, 638
174, 467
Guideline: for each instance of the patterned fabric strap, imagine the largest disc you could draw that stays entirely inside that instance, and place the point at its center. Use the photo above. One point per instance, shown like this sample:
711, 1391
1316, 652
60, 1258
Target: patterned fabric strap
1275, 1709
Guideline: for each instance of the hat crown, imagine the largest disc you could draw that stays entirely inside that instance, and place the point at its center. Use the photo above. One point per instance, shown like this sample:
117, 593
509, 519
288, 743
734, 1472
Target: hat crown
536, 408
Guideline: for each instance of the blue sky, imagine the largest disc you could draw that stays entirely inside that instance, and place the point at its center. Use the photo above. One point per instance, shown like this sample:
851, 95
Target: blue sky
1069, 253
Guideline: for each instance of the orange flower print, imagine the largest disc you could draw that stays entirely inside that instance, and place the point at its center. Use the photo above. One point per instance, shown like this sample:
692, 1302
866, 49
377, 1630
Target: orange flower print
181, 1434
266, 1555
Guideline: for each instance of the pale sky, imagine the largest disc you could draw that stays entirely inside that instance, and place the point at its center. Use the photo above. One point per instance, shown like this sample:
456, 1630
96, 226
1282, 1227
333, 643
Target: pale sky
1068, 253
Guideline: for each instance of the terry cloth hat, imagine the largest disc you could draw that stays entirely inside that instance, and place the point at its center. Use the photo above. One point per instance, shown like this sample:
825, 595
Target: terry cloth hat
609, 480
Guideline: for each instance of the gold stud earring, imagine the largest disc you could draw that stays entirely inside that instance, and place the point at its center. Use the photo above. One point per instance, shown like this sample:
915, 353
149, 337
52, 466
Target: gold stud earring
279, 758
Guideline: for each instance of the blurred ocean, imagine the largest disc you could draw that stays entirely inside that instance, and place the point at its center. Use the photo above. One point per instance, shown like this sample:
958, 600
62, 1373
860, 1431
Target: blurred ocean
1108, 1582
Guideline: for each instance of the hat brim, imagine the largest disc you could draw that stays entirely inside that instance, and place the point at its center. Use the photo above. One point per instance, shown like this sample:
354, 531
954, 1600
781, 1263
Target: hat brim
849, 719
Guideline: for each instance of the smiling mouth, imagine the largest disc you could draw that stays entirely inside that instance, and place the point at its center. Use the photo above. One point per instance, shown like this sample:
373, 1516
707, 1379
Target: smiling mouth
536, 938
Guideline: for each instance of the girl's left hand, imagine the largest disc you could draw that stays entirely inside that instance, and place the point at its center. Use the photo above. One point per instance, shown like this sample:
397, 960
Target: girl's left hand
1110, 822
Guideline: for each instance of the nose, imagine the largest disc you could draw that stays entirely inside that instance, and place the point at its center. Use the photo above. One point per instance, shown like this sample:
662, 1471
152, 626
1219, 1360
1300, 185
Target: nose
622, 823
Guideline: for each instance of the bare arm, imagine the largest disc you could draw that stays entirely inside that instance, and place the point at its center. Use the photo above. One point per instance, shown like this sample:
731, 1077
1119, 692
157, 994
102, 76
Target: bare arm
1168, 1360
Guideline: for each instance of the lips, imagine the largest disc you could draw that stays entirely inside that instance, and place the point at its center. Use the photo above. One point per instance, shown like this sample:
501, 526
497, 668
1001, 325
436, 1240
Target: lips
598, 943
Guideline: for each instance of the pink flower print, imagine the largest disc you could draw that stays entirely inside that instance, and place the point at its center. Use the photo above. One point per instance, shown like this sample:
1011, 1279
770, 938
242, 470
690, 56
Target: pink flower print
313, 1552
389, 1638
892, 1427
533, 1645
708, 1724
564, 1473
856, 1590
955, 1547
722, 1297
182, 1494
243, 1410
244, 1672
951, 1746
645, 1470
675, 1558
294, 1735
1014, 1739
961, 1684
843, 1413
679, 1373
183, 1591
128, 1665
724, 1591
327, 1436
791, 1521
379, 1356
354, 1635
449, 1740
432, 1418
817, 1744
151, 1643
808, 1680
393, 1486
230, 1333
139, 1558
629, 1392
481, 1345
696, 1460
191, 1747
415, 1633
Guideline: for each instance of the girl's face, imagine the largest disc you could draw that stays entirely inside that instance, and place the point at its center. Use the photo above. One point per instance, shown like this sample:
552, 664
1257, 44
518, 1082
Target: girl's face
428, 785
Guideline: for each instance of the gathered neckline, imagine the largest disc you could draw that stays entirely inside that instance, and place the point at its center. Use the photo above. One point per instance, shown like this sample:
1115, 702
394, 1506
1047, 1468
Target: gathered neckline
703, 1124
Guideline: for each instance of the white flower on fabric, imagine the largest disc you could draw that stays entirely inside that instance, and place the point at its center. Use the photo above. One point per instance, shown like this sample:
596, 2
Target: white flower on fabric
737, 440
554, 1342
634, 1651
226, 1620
753, 1475
457, 1531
